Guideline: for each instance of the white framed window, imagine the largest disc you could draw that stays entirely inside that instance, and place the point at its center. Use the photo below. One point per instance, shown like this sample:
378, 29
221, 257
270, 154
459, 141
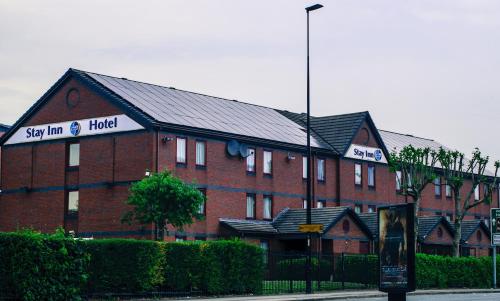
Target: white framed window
268, 162
371, 176
358, 174
251, 206
73, 200
449, 217
202, 207
74, 154
268, 207
181, 150
321, 170
398, 180
476, 193
251, 160
304, 167
304, 204
448, 190
321, 204
201, 148
437, 187
372, 208
358, 208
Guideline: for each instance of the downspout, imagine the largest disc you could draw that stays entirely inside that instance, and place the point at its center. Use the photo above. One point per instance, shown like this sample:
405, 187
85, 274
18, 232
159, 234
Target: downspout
338, 181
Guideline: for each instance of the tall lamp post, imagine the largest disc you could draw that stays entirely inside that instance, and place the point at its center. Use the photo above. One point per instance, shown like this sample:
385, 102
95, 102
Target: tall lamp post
309, 160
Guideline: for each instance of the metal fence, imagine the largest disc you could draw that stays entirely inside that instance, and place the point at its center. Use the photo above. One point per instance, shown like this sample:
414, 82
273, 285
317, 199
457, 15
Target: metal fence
286, 272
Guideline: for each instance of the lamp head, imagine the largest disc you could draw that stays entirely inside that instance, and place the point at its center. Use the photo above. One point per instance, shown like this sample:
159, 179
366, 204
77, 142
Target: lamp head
313, 7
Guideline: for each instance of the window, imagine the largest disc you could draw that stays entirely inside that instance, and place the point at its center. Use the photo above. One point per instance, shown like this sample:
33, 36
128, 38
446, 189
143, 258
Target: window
371, 176
181, 150
437, 187
358, 208
251, 160
73, 198
321, 204
372, 208
449, 217
448, 190
358, 180
201, 148
321, 170
268, 162
251, 206
304, 167
304, 204
264, 245
268, 207
487, 222
398, 180
74, 155
476, 193
479, 236
180, 238
201, 209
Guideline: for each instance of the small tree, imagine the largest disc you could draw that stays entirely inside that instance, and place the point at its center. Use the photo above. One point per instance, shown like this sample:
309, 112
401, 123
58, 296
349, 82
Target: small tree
456, 171
417, 167
163, 199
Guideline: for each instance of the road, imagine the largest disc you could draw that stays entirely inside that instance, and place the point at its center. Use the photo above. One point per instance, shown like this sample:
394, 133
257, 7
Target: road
448, 297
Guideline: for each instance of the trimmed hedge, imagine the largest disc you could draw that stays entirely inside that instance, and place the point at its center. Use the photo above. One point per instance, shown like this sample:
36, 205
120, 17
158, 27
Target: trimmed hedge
442, 272
124, 265
232, 267
183, 270
36, 266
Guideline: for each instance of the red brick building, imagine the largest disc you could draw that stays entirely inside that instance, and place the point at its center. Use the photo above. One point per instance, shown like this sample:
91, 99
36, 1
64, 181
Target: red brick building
69, 161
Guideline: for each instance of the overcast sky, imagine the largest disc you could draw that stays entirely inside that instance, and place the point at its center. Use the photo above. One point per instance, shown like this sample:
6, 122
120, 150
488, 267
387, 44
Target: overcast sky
429, 68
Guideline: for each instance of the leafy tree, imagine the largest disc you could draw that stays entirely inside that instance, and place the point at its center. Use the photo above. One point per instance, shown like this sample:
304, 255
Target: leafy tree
164, 199
417, 168
456, 171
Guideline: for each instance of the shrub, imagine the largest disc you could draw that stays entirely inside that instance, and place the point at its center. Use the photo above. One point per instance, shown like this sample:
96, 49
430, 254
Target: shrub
361, 269
183, 269
232, 267
124, 265
38, 266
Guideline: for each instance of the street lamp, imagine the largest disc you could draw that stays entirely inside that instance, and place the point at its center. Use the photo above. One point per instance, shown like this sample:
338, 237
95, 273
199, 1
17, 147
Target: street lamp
309, 160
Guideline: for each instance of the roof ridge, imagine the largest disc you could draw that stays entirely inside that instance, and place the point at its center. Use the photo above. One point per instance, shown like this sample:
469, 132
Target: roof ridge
407, 135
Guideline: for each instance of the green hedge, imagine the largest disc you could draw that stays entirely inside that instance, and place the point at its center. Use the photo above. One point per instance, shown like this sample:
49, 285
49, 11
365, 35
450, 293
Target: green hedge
232, 267
183, 270
124, 265
36, 266
442, 272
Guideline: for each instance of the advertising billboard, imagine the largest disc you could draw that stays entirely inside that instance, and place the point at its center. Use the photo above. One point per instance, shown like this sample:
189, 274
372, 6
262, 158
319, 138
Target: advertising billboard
396, 248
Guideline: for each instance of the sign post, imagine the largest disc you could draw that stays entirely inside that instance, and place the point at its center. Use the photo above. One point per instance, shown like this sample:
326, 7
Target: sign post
495, 239
397, 250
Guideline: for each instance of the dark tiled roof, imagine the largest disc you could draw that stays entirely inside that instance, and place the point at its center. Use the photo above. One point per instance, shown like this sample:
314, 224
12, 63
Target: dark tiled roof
172, 106
470, 226
4, 128
426, 224
288, 221
370, 220
337, 130
249, 226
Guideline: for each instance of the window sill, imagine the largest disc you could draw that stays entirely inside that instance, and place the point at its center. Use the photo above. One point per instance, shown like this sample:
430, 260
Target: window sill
372, 188
71, 216
251, 173
321, 182
268, 175
201, 167
181, 165
72, 168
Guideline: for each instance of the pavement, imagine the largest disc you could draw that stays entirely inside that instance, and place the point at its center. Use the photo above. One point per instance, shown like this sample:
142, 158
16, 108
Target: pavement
346, 295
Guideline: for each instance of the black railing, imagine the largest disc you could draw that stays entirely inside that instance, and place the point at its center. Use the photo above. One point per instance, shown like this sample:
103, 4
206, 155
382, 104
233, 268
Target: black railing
285, 272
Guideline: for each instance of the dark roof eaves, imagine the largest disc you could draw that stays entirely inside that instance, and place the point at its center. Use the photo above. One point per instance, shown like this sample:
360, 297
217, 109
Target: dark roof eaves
35, 106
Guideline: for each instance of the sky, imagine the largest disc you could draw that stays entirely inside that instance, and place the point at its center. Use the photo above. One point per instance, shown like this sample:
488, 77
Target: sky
430, 68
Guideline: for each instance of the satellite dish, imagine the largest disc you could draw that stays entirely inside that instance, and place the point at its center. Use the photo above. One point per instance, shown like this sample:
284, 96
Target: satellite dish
233, 148
244, 150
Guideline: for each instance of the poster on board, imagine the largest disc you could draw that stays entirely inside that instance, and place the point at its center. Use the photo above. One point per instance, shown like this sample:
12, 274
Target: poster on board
396, 248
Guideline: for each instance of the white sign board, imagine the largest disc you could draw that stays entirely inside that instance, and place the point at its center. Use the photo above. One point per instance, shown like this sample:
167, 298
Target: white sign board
74, 128
366, 153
